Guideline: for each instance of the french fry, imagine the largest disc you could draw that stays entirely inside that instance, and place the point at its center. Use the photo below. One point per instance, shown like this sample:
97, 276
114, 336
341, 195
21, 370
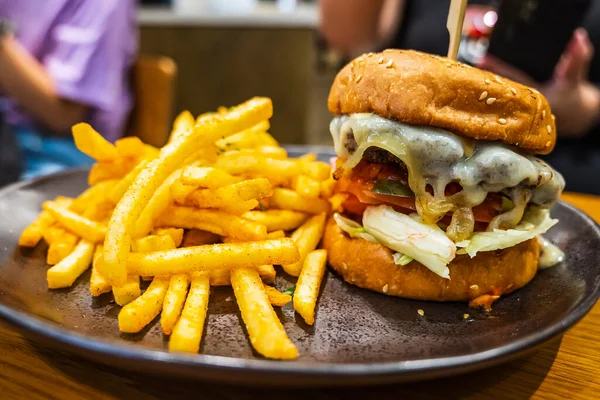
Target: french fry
181, 192
250, 189
158, 203
53, 233
110, 170
90, 142
207, 177
277, 298
152, 243
276, 220
309, 282
184, 122
306, 186
244, 139
240, 208
174, 300
61, 247
327, 187
266, 332
115, 194
337, 200
220, 277
212, 221
92, 196
266, 139
87, 229
197, 237
306, 237
65, 273
317, 170
287, 199
34, 232
275, 152
130, 146
134, 316
307, 158
187, 334
258, 166
175, 233
98, 284
128, 292
276, 234
207, 130
211, 257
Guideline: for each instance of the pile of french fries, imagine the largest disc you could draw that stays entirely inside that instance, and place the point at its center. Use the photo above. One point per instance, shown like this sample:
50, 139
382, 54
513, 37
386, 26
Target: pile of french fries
220, 204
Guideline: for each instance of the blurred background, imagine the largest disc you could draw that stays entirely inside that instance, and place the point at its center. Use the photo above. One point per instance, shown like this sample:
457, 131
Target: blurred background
128, 66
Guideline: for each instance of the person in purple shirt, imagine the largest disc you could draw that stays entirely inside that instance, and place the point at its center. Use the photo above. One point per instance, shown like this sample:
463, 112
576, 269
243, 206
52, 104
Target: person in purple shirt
63, 62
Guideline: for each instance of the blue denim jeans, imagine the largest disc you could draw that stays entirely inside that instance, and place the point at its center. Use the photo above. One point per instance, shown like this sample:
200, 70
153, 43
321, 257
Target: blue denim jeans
43, 155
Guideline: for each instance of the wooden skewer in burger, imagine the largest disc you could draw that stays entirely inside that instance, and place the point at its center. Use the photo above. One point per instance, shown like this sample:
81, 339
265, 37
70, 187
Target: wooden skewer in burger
445, 198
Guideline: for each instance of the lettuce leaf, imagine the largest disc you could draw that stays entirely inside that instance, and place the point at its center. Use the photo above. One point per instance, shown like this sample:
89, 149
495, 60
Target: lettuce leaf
427, 244
353, 228
535, 222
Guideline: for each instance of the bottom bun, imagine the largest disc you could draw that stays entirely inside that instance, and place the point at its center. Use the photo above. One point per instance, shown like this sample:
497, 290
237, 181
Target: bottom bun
371, 266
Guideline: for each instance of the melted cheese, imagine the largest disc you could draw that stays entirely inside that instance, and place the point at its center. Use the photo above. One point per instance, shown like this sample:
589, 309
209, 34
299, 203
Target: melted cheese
436, 157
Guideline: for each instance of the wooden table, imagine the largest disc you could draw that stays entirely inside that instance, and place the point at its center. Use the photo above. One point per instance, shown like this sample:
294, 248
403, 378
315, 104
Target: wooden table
566, 368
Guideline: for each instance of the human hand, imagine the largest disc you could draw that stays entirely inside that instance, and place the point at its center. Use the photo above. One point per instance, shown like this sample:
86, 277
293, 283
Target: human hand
574, 100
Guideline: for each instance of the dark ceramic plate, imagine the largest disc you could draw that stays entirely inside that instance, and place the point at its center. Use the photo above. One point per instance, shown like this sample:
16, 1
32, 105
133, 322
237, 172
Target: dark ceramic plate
359, 337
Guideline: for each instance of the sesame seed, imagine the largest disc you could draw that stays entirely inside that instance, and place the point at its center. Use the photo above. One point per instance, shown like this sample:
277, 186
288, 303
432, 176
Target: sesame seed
490, 101
465, 316
389, 64
513, 90
497, 79
543, 114
502, 121
483, 95
380, 61
420, 312
358, 78
548, 143
385, 288
474, 287
549, 128
487, 81
553, 118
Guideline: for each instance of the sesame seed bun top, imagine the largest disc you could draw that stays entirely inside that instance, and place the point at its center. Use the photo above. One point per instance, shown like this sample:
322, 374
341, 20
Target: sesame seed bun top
423, 89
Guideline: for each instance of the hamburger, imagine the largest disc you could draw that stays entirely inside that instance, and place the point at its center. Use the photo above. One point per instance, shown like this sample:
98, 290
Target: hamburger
442, 197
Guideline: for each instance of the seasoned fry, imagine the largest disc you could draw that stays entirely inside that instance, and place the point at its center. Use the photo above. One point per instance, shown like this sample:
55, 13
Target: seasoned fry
276, 234
307, 237
207, 177
152, 243
220, 277
212, 221
181, 192
259, 166
40, 228
128, 210
238, 192
337, 200
110, 170
65, 273
98, 284
277, 298
115, 194
130, 146
90, 142
174, 300
276, 220
92, 196
184, 122
85, 228
187, 334
317, 170
309, 282
175, 233
327, 187
211, 257
240, 208
244, 139
306, 186
307, 158
266, 332
197, 237
158, 203
141, 311
128, 292
61, 246
289, 200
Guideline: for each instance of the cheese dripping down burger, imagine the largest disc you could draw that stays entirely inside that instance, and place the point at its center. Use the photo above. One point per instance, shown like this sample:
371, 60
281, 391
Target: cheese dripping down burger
444, 198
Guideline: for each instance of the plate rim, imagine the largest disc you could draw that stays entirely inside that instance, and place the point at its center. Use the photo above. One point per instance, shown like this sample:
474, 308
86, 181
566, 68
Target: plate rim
367, 370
